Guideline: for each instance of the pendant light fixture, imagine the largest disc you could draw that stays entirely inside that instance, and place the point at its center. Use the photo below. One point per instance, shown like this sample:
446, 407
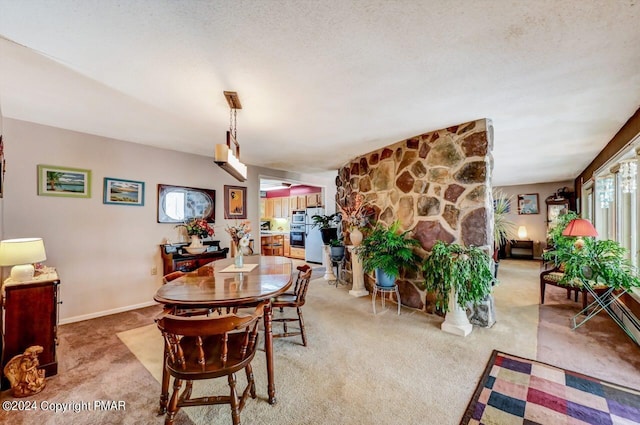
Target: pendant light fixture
628, 175
227, 156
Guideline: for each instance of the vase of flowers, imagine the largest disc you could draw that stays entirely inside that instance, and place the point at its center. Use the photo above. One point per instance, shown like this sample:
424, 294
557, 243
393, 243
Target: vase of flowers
237, 232
355, 215
197, 228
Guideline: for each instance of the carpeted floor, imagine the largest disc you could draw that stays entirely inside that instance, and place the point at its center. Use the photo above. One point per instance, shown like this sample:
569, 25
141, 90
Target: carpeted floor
358, 368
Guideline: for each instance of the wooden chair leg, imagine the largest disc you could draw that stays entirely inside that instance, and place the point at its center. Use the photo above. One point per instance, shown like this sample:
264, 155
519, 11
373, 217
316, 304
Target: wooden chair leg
301, 321
542, 288
235, 411
172, 408
250, 380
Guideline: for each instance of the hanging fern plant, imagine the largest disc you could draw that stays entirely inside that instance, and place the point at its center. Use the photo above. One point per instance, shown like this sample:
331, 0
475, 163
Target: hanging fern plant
467, 270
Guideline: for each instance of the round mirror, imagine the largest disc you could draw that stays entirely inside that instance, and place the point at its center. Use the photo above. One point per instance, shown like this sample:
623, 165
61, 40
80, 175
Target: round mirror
177, 203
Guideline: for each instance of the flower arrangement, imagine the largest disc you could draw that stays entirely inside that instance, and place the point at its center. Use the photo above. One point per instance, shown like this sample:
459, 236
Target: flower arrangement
357, 212
238, 230
198, 227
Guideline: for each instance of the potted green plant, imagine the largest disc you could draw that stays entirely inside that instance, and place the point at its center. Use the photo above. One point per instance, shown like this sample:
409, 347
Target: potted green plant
503, 227
387, 251
458, 276
467, 270
336, 247
590, 261
327, 225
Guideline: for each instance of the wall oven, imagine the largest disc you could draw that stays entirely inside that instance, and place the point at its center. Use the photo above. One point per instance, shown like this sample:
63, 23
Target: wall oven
298, 217
296, 235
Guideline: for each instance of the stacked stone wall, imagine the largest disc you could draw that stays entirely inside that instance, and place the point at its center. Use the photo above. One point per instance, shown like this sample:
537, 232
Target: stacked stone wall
437, 184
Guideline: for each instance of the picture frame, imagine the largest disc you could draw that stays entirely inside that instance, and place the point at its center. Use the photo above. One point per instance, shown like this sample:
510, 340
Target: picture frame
123, 192
179, 203
235, 202
528, 204
64, 181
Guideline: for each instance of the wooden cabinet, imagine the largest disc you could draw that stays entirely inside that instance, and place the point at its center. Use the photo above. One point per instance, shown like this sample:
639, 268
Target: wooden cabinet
31, 318
174, 257
285, 207
314, 200
296, 252
521, 249
287, 246
272, 244
302, 202
277, 208
293, 204
268, 208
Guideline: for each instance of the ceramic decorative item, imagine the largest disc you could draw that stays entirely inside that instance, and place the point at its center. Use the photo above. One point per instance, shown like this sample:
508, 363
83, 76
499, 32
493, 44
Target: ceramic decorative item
356, 236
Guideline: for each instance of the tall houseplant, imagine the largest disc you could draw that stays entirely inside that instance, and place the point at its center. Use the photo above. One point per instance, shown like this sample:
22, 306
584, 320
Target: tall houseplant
503, 227
327, 225
465, 269
387, 251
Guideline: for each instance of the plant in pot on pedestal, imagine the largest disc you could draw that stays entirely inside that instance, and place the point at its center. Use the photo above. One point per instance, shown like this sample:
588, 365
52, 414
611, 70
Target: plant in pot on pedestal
327, 225
355, 215
458, 276
387, 251
336, 247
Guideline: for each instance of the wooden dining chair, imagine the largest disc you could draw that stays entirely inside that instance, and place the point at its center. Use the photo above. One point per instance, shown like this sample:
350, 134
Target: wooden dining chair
294, 299
208, 347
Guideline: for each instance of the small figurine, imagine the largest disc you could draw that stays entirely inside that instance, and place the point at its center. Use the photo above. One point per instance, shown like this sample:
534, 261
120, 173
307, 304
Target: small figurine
23, 373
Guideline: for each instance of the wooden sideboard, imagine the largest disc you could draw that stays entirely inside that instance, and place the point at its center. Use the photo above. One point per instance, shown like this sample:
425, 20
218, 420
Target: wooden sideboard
31, 318
175, 257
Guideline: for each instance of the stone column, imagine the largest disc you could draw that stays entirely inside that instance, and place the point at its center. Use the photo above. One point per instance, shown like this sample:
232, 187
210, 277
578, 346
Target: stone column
326, 262
357, 275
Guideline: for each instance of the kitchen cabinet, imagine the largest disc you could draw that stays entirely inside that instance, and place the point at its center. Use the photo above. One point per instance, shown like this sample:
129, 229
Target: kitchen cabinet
295, 252
314, 200
277, 207
293, 204
285, 207
272, 244
287, 246
30, 318
302, 202
268, 208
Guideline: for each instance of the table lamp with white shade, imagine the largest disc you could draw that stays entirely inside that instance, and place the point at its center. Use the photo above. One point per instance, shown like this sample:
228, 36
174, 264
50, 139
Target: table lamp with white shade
21, 254
522, 232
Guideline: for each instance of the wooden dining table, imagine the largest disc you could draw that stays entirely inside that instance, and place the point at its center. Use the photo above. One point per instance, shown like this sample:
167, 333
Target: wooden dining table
220, 284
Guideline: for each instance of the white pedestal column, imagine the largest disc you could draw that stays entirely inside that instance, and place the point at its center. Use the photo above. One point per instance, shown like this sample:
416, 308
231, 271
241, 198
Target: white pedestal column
456, 321
358, 289
326, 262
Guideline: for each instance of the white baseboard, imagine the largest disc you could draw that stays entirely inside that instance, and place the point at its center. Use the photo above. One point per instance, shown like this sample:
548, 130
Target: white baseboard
105, 312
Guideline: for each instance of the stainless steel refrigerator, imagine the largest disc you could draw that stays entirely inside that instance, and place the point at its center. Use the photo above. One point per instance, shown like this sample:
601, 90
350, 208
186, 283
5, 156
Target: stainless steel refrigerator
313, 245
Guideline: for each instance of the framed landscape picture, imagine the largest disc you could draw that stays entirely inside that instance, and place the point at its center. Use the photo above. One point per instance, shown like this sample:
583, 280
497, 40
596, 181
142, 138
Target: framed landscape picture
64, 181
235, 202
528, 204
123, 192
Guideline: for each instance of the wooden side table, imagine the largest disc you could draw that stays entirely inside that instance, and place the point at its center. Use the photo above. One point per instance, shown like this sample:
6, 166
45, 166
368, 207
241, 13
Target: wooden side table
31, 318
521, 249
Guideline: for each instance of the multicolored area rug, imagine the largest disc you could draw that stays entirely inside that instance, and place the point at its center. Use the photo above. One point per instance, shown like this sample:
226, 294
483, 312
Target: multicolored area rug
514, 390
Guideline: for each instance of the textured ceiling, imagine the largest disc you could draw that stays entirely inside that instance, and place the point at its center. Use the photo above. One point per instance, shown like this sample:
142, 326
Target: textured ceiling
322, 82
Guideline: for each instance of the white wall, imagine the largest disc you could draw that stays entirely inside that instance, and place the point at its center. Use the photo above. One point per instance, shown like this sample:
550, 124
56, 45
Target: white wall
536, 224
104, 253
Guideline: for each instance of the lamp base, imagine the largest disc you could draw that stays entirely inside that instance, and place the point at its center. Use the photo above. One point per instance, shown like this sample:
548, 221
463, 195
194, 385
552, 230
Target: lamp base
22, 272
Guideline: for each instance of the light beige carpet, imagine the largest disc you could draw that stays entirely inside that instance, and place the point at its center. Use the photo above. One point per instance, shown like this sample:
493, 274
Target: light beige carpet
366, 369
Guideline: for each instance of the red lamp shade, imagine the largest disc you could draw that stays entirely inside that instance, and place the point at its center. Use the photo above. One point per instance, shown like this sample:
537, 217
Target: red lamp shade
580, 227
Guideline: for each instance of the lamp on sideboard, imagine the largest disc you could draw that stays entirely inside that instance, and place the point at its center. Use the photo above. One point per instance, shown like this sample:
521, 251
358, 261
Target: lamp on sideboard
579, 227
522, 232
21, 254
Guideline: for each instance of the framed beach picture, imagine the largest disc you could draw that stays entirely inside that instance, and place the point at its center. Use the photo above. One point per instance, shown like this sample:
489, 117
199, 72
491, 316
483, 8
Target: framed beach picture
64, 181
123, 192
235, 202
528, 204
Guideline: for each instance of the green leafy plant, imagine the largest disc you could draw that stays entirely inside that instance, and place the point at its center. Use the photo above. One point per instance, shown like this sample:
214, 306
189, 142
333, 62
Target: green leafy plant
503, 228
594, 261
325, 221
466, 269
336, 243
388, 249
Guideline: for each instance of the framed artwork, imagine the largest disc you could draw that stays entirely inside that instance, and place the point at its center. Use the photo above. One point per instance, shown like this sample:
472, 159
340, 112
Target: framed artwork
64, 181
179, 203
123, 192
235, 202
528, 204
